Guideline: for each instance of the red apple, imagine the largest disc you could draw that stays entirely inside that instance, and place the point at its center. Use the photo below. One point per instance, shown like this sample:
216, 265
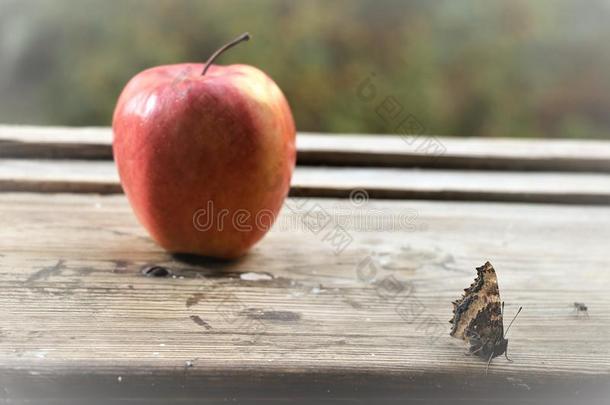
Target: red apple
205, 154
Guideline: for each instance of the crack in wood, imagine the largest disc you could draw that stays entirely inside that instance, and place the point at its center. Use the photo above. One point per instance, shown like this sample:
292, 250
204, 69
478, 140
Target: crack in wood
197, 319
263, 315
46, 272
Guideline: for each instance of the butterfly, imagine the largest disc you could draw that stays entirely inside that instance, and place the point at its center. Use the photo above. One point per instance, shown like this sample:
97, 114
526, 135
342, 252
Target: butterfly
478, 316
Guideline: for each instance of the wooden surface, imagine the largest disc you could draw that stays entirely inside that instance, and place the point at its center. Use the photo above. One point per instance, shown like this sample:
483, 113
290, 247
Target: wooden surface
389, 183
75, 300
300, 316
348, 150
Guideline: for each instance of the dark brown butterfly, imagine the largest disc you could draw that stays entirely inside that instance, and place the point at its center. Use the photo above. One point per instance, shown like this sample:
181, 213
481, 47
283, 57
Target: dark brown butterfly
477, 316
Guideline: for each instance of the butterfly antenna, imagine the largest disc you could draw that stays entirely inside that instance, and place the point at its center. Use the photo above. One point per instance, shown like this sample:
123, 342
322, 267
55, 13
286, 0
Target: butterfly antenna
488, 363
511, 322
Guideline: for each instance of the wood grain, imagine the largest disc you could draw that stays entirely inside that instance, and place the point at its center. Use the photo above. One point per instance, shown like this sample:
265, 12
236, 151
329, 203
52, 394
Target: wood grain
372, 318
430, 151
299, 317
348, 150
572, 188
55, 142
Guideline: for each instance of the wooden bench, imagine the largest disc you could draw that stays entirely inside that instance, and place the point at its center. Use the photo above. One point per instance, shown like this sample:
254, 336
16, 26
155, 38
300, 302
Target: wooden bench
355, 308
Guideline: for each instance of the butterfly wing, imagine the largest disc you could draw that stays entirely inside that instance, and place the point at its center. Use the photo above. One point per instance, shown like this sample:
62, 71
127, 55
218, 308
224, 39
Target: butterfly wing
477, 315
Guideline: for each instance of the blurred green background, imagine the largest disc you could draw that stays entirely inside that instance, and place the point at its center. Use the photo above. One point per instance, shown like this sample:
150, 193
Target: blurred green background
465, 68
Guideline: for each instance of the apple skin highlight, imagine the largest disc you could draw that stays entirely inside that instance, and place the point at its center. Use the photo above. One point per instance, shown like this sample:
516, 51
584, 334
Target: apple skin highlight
205, 160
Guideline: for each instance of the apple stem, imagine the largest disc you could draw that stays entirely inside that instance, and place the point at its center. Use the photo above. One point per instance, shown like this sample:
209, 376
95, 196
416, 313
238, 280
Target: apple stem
243, 37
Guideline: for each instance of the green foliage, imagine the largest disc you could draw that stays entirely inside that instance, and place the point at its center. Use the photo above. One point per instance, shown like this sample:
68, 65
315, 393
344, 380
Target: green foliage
466, 68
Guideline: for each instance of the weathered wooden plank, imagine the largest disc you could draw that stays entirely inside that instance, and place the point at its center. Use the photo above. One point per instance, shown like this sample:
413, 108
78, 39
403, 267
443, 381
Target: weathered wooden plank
347, 150
371, 317
538, 187
455, 153
572, 188
55, 142
73, 176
